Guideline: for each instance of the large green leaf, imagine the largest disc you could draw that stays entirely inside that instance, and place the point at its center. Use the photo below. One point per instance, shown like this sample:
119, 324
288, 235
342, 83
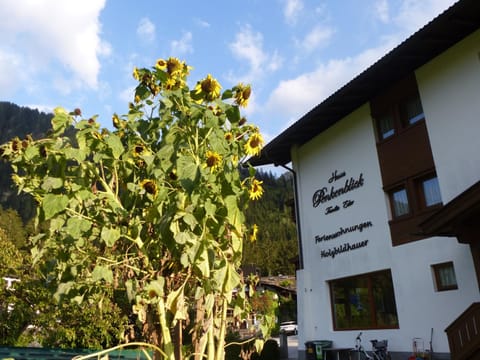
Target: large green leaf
115, 144
76, 226
50, 183
53, 204
102, 272
60, 121
110, 235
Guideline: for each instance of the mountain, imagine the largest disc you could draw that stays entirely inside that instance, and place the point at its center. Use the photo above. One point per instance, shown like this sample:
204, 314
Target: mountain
17, 121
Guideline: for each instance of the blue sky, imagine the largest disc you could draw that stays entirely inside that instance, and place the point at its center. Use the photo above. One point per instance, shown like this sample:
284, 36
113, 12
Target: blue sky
294, 53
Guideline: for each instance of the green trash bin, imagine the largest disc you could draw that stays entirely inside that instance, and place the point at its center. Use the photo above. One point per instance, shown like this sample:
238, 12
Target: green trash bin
310, 351
315, 348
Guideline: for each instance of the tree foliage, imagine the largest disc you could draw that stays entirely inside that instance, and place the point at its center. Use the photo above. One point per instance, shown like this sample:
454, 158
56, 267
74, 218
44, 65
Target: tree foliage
275, 247
153, 209
21, 122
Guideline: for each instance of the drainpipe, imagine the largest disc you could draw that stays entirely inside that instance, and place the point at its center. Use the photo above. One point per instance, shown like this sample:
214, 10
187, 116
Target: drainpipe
297, 214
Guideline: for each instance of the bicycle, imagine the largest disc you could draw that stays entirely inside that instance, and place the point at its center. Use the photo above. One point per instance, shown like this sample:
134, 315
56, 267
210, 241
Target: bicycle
380, 351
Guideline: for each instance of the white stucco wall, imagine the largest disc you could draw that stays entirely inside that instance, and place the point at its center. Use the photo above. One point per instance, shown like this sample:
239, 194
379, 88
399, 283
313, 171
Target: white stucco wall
349, 147
449, 87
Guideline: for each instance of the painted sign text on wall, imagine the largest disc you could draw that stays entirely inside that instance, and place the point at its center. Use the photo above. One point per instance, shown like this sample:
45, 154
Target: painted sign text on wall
342, 248
329, 193
342, 231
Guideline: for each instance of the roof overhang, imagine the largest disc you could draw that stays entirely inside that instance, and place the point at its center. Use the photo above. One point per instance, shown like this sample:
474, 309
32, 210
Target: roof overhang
453, 25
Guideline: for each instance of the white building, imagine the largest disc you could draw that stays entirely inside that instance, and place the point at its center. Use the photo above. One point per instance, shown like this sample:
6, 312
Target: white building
387, 174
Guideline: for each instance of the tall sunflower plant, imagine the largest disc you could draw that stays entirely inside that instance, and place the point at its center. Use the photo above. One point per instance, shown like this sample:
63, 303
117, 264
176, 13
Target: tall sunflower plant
152, 209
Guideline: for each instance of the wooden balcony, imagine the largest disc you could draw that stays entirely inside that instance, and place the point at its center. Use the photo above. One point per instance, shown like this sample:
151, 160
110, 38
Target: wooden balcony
464, 334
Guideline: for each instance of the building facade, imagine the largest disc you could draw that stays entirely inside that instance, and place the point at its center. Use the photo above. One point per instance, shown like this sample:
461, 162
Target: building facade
376, 166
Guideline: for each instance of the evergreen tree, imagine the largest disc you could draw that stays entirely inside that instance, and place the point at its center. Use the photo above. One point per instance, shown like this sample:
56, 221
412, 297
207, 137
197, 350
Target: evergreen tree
19, 122
275, 249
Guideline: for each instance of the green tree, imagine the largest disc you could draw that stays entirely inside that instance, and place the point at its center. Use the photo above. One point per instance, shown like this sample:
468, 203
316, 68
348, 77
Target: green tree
274, 246
153, 209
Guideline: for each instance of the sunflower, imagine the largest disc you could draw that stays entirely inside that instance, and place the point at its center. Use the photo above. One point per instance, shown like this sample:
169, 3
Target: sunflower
161, 64
174, 66
256, 189
242, 94
208, 89
254, 144
149, 186
139, 150
213, 160
254, 233
228, 136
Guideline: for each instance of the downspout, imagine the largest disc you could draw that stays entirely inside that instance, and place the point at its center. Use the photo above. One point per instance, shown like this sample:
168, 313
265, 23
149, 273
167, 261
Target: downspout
297, 215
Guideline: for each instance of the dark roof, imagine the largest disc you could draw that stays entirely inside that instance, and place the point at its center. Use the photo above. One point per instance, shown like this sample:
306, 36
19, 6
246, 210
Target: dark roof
454, 24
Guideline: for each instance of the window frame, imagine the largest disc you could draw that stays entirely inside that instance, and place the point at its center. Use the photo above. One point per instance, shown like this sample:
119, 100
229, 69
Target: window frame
415, 195
422, 194
395, 110
436, 268
391, 194
371, 302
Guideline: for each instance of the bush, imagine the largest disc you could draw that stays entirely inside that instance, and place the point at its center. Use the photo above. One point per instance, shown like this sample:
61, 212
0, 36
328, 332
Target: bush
270, 351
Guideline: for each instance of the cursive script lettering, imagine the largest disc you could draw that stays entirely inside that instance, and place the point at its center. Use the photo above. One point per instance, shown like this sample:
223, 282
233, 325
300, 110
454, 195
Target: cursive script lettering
331, 209
324, 194
336, 176
343, 230
348, 203
342, 248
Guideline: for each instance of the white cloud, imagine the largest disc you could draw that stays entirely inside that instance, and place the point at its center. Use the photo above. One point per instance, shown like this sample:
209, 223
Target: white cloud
248, 46
146, 30
292, 10
37, 34
293, 98
183, 45
381, 10
10, 76
319, 36
48, 109
414, 14
202, 23
127, 94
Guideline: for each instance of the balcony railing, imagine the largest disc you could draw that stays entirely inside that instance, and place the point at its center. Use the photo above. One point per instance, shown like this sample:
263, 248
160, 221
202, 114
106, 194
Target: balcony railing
464, 334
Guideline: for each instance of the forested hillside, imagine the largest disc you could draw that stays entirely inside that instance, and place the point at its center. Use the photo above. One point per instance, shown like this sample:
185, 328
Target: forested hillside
275, 249
16, 121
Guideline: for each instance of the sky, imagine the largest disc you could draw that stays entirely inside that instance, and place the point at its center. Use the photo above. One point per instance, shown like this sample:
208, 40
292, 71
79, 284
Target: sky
294, 53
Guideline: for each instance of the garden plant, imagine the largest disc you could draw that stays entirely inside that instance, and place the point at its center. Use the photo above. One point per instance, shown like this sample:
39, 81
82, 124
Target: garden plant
152, 209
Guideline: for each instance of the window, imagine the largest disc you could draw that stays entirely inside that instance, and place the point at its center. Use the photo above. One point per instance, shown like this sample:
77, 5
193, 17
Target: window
411, 111
444, 276
431, 191
398, 116
364, 302
423, 191
399, 200
385, 126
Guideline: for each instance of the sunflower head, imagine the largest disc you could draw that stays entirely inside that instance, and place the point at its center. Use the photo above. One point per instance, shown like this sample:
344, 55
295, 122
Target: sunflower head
254, 144
228, 136
174, 66
207, 89
150, 187
139, 150
242, 94
256, 189
161, 64
213, 160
